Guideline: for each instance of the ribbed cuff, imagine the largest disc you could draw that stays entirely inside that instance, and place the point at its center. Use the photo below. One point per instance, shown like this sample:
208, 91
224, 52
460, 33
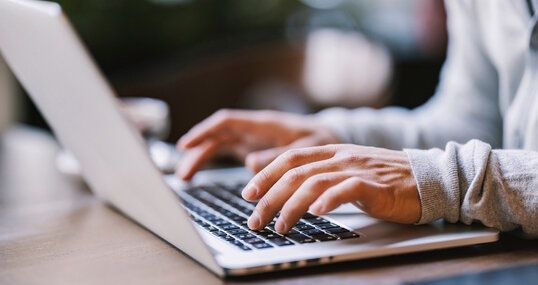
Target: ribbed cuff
437, 179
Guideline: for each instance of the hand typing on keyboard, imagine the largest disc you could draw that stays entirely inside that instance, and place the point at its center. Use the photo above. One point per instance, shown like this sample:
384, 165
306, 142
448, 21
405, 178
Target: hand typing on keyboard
253, 137
295, 174
322, 178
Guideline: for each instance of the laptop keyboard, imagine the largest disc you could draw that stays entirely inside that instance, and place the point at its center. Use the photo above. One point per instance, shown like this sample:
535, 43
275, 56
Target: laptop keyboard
220, 210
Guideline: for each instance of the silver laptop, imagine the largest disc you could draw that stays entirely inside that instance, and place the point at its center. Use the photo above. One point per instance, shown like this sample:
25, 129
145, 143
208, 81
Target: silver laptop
206, 219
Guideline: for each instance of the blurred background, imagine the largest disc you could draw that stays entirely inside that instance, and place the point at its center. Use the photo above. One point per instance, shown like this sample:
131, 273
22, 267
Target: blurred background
291, 55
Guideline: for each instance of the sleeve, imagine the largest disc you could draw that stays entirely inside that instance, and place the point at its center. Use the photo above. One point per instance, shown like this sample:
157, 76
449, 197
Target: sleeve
465, 106
472, 182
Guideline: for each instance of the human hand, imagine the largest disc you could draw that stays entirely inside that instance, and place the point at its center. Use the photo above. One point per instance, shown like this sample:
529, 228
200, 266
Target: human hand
319, 179
255, 137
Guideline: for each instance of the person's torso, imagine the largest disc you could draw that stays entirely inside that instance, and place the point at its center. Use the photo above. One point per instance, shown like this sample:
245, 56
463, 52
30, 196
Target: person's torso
507, 29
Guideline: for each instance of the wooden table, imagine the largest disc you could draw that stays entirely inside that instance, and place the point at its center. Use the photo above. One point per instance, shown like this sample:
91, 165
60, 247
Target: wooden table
53, 231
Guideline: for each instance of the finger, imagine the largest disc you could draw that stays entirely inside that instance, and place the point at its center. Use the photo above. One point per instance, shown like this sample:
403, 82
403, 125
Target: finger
219, 121
195, 157
350, 190
267, 177
256, 161
274, 199
308, 192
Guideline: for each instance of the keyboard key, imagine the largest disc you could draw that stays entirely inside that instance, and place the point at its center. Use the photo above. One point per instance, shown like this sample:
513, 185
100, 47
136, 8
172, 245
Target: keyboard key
300, 238
245, 236
237, 218
336, 230
271, 225
220, 222
281, 241
271, 236
292, 231
262, 245
323, 237
327, 226
313, 232
253, 240
211, 218
229, 227
308, 216
245, 248
237, 232
240, 245
219, 233
211, 229
245, 210
317, 220
263, 232
303, 227
228, 238
347, 235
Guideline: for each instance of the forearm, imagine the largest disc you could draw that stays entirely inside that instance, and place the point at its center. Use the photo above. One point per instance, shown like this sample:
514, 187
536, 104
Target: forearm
433, 125
473, 182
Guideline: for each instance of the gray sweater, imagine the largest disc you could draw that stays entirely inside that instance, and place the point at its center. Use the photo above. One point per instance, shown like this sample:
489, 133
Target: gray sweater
484, 115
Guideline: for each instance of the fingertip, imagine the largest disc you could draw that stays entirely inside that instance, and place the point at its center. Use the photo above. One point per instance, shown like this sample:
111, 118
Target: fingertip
281, 227
317, 209
254, 221
250, 162
254, 162
184, 173
187, 167
186, 142
249, 193
181, 143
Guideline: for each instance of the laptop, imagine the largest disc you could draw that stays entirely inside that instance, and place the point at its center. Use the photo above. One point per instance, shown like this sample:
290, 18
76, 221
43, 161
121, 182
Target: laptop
206, 218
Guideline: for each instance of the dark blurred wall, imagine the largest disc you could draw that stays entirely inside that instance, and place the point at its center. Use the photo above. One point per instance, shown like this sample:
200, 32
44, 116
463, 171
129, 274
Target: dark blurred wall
202, 55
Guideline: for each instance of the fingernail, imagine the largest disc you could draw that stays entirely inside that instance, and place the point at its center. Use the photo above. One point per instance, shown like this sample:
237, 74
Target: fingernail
183, 172
250, 192
254, 221
281, 226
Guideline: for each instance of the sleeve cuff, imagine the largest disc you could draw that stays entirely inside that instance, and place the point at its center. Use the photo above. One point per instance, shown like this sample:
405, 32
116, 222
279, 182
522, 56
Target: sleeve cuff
436, 175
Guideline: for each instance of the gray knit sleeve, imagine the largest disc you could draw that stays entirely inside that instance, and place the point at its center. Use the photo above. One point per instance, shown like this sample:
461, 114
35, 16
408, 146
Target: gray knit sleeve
465, 105
472, 182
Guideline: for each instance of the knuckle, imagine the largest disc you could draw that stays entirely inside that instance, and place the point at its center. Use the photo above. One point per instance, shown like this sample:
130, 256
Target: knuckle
318, 181
293, 176
291, 156
349, 158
